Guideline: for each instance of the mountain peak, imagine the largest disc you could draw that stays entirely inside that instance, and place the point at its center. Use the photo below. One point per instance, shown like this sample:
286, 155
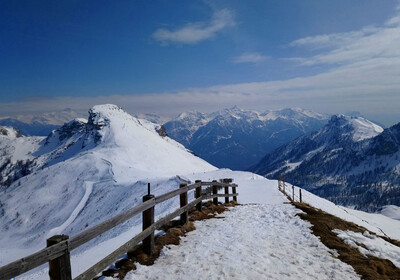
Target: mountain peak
358, 128
190, 115
100, 113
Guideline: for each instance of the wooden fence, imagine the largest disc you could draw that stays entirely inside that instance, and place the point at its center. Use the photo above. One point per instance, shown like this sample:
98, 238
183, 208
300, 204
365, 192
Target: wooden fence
57, 252
282, 187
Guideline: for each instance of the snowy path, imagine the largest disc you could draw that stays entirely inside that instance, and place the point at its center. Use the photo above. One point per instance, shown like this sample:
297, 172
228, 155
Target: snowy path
255, 241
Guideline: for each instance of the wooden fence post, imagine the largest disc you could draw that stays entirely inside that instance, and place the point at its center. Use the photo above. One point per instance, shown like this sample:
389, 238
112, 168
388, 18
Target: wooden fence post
226, 192
226, 181
293, 192
234, 191
148, 220
199, 205
183, 202
59, 268
215, 191
301, 199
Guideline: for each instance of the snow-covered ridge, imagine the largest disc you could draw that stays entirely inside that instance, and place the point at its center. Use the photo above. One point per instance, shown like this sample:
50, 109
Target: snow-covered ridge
351, 153
361, 128
236, 138
86, 172
10, 132
349, 128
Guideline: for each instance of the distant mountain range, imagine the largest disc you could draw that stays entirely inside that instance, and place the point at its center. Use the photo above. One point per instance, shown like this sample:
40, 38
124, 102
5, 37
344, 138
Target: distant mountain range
29, 129
235, 138
348, 160
40, 124
351, 161
231, 138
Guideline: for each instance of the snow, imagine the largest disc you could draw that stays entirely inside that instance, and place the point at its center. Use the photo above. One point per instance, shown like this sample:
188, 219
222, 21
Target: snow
364, 129
377, 223
391, 211
77, 175
17, 148
375, 246
292, 165
253, 241
77, 210
81, 187
262, 239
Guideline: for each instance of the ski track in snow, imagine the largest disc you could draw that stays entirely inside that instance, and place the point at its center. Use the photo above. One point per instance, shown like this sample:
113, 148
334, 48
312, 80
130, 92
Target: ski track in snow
77, 210
88, 191
257, 241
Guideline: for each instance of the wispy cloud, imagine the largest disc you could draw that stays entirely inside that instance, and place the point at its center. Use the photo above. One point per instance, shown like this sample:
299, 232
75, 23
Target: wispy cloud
249, 57
332, 40
366, 45
193, 33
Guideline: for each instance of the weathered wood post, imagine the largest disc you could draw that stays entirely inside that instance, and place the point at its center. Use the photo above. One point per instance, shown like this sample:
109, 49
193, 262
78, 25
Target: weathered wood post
215, 191
60, 268
227, 181
301, 198
234, 191
293, 193
148, 220
198, 194
183, 202
227, 193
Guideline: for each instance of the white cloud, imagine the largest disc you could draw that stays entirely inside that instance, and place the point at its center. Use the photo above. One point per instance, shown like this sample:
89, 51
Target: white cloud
193, 33
332, 40
249, 57
368, 44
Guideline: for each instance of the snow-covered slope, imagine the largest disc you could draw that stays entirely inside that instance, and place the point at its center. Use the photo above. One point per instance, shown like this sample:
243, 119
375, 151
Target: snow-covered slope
265, 239
350, 161
86, 172
91, 170
16, 154
218, 246
262, 239
236, 138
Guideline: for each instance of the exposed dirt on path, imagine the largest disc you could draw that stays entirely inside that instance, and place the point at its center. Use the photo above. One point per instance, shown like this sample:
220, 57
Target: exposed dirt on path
369, 267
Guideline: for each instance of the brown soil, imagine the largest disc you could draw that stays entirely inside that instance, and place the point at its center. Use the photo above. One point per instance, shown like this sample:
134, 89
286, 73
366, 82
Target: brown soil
173, 231
369, 267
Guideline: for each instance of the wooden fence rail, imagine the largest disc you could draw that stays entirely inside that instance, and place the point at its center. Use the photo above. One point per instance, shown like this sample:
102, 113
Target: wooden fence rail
57, 253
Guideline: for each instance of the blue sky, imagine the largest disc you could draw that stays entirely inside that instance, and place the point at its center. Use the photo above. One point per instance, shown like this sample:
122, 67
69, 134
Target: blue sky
172, 56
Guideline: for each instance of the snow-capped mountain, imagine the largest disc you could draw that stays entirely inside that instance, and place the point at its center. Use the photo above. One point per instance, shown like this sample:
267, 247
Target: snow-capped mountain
83, 173
237, 138
90, 170
350, 161
16, 153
